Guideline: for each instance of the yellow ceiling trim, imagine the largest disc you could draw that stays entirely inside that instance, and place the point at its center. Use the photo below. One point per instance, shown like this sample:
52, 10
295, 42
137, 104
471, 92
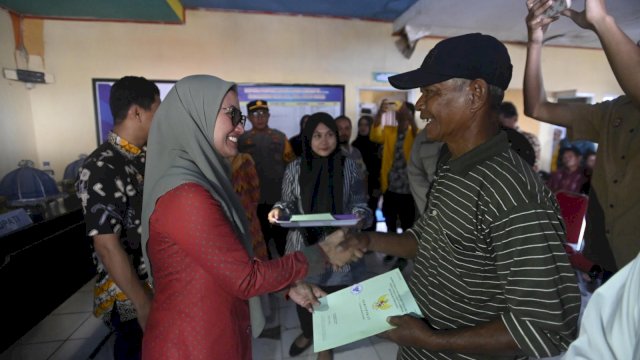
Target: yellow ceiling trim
33, 36
176, 6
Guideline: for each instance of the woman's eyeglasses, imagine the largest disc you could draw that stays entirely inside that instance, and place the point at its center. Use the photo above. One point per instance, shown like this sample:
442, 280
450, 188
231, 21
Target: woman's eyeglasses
236, 116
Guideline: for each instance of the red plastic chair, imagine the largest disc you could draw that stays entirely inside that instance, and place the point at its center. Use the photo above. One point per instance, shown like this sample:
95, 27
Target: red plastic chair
573, 208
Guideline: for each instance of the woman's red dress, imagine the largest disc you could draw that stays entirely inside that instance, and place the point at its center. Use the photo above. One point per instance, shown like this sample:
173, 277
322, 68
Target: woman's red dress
203, 277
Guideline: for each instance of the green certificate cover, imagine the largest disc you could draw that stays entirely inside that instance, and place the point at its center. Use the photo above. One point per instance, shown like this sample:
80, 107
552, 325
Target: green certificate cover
361, 310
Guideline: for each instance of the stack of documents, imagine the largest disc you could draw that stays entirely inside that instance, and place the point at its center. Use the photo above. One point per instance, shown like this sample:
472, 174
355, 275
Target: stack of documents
361, 310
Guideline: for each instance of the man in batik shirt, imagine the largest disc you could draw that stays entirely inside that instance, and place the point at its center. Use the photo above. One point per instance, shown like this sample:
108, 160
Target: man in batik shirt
110, 188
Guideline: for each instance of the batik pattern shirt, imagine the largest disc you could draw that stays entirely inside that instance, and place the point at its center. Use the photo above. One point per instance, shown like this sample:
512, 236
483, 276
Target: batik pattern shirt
110, 189
247, 186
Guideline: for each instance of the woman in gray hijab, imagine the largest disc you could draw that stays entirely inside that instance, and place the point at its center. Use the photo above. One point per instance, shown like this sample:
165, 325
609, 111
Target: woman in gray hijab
195, 233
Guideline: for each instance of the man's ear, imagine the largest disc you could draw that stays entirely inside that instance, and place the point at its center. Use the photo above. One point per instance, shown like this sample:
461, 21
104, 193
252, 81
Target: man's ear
134, 113
478, 94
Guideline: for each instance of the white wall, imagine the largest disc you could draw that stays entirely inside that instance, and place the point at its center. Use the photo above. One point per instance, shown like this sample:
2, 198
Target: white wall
17, 138
237, 47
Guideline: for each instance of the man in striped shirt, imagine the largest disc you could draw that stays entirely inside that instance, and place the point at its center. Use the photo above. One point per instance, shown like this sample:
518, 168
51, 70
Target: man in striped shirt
491, 276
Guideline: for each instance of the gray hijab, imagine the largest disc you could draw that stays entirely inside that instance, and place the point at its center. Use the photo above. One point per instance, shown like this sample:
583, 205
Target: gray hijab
180, 150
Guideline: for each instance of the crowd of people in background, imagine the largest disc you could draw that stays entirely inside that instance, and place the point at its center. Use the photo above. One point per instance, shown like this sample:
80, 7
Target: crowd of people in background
182, 206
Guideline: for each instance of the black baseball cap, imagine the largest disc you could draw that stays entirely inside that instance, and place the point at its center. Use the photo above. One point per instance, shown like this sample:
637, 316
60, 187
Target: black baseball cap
470, 56
256, 105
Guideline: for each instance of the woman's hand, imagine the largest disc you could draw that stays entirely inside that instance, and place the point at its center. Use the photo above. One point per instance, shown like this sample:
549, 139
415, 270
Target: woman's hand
273, 215
305, 294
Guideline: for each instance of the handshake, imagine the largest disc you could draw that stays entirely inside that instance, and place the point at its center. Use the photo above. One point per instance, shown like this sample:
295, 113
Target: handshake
342, 247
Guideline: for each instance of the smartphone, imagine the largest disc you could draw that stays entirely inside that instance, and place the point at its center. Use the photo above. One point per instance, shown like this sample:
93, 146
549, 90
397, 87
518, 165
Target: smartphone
557, 7
389, 118
393, 105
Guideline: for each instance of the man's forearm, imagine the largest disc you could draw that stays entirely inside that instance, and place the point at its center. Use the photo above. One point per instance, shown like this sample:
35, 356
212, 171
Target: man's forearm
492, 338
535, 98
402, 245
623, 55
535, 95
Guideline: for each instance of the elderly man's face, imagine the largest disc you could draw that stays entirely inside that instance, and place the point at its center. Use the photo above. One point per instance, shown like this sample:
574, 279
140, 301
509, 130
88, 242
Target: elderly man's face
442, 106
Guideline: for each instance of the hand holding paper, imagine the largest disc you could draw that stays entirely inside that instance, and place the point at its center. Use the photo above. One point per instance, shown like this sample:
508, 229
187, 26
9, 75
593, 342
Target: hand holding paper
273, 215
408, 331
305, 294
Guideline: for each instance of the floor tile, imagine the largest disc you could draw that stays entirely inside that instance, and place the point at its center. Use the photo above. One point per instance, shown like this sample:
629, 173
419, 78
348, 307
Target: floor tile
55, 327
80, 302
75, 349
266, 349
106, 351
40, 351
90, 329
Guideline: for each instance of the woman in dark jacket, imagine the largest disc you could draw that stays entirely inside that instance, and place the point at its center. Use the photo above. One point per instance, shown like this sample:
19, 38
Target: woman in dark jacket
322, 180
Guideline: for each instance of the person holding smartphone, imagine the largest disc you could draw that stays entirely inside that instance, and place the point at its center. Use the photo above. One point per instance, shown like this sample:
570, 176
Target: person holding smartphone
612, 226
397, 141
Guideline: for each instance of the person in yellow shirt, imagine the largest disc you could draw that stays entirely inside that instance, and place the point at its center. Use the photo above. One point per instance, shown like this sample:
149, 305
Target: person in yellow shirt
397, 141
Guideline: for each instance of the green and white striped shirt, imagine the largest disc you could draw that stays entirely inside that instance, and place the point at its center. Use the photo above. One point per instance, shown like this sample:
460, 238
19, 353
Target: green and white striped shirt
490, 246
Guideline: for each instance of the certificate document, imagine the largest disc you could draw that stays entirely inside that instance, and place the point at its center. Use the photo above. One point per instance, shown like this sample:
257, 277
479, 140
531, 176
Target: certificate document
361, 310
